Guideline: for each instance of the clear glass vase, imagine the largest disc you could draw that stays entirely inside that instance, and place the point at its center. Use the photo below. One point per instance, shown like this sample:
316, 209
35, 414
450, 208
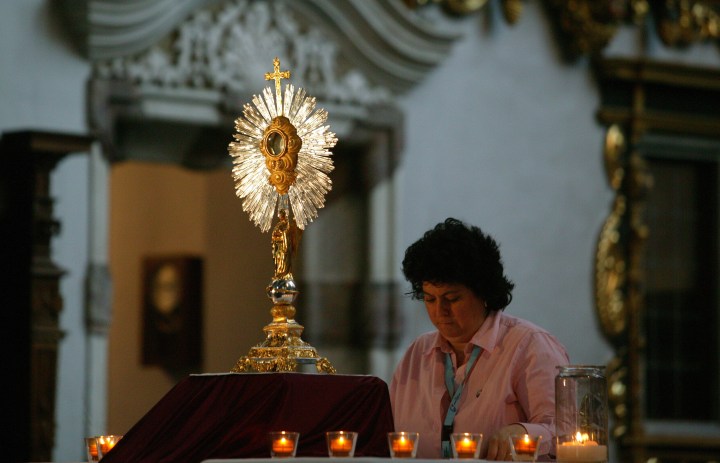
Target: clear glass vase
581, 414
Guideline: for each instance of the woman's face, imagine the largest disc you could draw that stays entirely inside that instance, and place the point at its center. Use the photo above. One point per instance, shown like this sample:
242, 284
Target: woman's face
454, 309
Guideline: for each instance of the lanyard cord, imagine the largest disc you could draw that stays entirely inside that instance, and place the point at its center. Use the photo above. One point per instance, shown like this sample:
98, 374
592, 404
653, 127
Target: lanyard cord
455, 394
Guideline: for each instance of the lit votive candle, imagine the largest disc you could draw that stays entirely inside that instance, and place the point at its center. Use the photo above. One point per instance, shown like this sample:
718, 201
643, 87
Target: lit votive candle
283, 444
92, 449
524, 447
581, 449
403, 444
341, 443
466, 445
106, 443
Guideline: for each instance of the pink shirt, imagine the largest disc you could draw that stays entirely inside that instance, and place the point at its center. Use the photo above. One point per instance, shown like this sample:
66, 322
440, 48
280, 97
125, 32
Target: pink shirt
513, 381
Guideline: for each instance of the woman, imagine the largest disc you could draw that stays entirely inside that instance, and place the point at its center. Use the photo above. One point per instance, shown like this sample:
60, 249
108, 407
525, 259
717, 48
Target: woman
498, 370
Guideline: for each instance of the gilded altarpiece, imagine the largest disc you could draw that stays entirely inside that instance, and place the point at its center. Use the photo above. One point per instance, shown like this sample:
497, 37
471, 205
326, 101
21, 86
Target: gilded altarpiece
650, 110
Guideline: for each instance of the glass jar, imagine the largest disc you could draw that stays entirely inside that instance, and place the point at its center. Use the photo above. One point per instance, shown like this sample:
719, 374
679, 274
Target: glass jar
581, 414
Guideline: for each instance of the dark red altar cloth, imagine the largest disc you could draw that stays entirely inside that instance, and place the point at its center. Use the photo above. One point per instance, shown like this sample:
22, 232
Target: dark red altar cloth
230, 415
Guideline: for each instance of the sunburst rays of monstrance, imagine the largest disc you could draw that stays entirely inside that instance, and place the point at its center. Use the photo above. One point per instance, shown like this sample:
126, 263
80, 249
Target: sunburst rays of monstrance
281, 161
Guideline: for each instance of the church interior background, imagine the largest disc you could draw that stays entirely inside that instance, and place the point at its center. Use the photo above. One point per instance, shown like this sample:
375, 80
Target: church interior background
583, 135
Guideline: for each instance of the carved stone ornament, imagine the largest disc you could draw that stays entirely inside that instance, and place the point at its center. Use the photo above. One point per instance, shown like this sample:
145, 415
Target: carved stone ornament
195, 62
338, 49
222, 48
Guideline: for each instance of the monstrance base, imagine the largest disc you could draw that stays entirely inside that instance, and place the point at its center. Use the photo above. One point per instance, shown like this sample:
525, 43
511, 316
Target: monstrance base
280, 361
282, 350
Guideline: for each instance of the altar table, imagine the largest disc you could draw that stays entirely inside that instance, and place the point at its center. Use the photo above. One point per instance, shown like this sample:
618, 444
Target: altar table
229, 416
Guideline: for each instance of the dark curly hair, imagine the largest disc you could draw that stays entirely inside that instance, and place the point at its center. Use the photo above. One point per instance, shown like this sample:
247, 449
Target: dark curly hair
454, 252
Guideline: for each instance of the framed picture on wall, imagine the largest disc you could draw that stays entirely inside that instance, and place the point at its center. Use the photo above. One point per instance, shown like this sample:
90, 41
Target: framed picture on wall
172, 312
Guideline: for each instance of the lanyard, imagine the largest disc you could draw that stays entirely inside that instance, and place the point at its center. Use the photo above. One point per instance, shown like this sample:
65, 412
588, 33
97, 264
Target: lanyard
455, 397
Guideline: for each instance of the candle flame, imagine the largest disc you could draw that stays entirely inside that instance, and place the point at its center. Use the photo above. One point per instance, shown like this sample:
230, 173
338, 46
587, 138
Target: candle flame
581, 438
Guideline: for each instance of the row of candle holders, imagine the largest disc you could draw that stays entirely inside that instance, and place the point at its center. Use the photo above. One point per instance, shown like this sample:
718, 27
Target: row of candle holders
98, 446
581, 425
464, 445
283, 444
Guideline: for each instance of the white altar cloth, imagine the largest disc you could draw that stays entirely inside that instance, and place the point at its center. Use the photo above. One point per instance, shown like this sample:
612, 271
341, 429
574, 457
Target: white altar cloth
332, 460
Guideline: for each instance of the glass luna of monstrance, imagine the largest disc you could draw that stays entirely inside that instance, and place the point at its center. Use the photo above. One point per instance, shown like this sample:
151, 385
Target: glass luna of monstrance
281, 160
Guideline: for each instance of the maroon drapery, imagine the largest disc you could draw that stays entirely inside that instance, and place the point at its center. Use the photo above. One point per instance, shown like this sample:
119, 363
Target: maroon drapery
230, 415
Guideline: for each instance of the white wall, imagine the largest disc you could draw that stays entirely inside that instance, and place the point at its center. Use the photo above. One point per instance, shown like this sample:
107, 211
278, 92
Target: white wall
71, 253
503, 136
42, 82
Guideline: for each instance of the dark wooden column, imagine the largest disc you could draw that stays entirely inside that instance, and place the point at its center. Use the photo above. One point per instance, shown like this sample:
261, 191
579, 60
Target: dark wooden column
30, 301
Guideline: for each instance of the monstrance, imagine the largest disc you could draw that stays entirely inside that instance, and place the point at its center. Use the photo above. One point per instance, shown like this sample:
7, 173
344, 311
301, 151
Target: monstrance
281, 160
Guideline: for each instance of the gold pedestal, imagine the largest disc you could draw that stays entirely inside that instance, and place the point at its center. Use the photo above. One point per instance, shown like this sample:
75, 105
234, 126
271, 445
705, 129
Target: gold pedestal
283, 349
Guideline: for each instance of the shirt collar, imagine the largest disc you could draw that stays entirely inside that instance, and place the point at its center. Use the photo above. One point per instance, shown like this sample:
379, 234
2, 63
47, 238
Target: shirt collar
486, 336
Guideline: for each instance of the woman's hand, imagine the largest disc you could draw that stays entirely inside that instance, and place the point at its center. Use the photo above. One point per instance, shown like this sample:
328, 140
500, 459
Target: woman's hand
499, 444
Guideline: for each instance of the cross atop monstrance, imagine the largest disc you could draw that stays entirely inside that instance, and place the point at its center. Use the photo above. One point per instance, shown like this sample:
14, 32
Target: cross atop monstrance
281, 158
277, 75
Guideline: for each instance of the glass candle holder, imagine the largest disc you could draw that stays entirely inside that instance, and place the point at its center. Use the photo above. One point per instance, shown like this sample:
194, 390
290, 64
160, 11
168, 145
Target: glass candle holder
466, 445
581, 414
283, 444
106, 443
403, 444
91, 449
341, 443
524, 447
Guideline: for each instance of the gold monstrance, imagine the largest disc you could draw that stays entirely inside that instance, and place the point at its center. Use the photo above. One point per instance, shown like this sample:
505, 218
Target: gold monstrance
281, 158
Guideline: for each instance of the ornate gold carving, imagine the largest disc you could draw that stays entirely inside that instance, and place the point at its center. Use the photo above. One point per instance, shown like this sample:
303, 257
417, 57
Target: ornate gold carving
613, 266
614, 148
283, 348
611, 277
278, 361
464, 6
591, 24
512, 9
280, 142
617, 393
277, 75
588, 26
682, 22
618, 271
285, 240
610, 263
280, 145
457, 7
611, 274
